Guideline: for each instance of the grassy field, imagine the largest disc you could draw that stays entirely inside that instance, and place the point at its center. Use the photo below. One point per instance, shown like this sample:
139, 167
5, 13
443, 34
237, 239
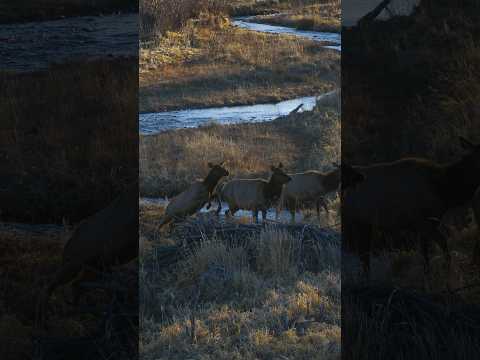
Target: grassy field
302, 141
68, 139
215, 303
13, 11
210, 63
158, 17
323, 17
270, 310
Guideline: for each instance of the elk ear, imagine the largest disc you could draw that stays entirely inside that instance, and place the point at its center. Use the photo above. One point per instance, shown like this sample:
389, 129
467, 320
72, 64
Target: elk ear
210, 165
466, 144
223, 162
280, 165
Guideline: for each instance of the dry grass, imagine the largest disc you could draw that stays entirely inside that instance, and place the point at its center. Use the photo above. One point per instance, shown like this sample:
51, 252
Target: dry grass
215, 305
68, 139
29, 258
25, 10
171, 160
210, 63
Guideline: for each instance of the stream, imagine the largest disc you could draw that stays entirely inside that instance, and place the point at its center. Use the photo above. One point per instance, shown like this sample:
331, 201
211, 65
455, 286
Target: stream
333, 38
153, 123
36, 45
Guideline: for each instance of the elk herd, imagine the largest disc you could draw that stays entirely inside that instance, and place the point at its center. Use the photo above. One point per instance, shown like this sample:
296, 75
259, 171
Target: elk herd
407, 195
256, 195
405, 199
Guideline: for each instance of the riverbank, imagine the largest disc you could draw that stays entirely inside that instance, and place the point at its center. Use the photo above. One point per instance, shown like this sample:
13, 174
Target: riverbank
325, 17
21, 11
171, 160
69, 159
211, 63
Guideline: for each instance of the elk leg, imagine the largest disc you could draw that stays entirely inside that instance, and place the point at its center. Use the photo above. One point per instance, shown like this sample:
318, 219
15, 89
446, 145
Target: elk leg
255, 215
321, 201
231, 211
432, 232
291, 209
363, 244
264, 215
66, 274
77, 290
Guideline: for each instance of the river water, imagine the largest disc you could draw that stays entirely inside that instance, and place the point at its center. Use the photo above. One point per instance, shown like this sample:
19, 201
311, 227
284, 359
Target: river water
36, 45
333, 38
152, 123
283, 216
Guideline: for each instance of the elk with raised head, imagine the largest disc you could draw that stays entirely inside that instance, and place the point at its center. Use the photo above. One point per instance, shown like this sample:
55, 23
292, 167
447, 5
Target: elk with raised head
195, 197
256, 195
410, 194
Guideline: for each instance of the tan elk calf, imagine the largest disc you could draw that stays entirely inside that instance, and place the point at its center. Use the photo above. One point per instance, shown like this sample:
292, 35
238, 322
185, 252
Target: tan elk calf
307, 187
100, 242
253, 194
409, 194
195, 197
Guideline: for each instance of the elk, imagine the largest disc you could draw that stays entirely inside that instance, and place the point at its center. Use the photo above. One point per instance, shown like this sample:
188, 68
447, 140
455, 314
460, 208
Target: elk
253, 194
308, 186
350, 177
409, 194
476, 214
104, 240
195, 197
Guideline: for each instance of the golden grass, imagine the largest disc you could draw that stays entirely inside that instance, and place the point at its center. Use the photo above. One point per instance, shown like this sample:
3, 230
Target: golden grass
209, 65
215, 306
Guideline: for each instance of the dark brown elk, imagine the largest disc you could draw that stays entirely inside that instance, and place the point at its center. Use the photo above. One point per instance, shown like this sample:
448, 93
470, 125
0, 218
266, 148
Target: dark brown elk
253, 194
195, 197
476, 215
307, 187
350, 177
407, 195
99, 243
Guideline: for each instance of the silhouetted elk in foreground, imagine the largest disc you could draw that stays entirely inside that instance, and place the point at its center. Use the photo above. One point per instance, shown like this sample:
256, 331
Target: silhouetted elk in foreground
195, 197
253, 194
100, 242
350, 177
410, 194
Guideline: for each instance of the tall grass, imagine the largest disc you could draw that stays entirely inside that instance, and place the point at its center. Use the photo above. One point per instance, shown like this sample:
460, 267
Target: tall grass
69, 139
158, 16
215, 305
